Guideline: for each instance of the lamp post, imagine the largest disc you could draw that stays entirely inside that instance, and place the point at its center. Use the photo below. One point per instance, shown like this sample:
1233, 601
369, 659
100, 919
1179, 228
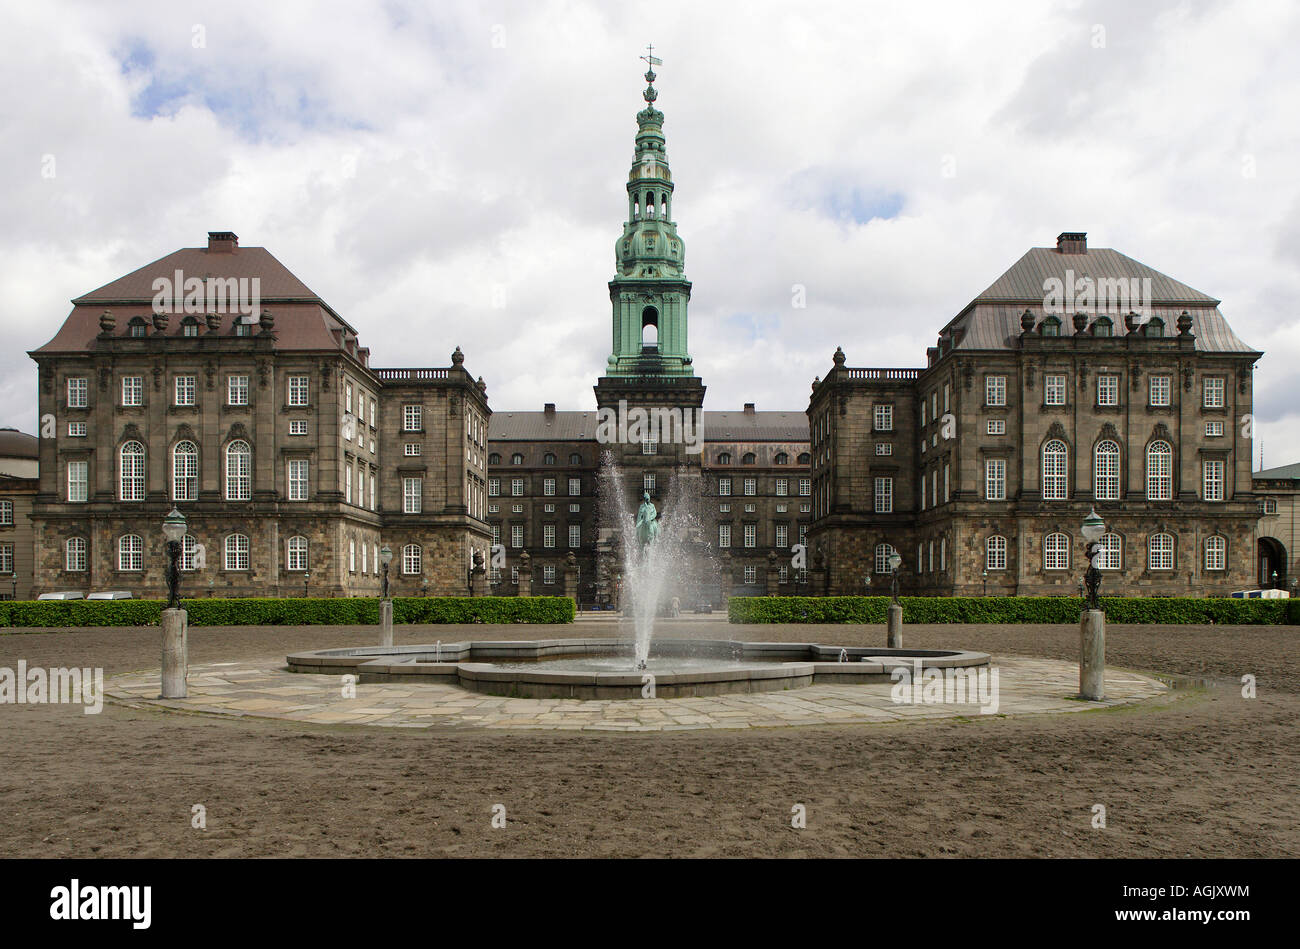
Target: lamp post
175, 649
424, 586
866, 583
985, 577
1092, 624
385, 604
306, 579
1274, 579
894, 626
15, 583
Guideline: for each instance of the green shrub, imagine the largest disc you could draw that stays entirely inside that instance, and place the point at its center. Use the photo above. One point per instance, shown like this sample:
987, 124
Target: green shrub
1017, 609
270, 611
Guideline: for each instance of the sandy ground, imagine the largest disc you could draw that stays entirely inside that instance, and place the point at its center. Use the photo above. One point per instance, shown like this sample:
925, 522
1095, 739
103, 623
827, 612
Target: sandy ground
1209, 774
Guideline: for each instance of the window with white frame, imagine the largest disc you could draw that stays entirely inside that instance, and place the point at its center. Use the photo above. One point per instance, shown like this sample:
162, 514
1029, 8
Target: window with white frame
1054, 389
548, 487
130, 552
6, 513
1160, 552
724, 535
1105, 471
77, 480
884, 495
1160, 466
649, 446
1159, 389
548, 573
516, 535
1055, 483
1213, 392
76, 429
648, 482
724, 487
575, 487
1216, 553
517, 487
883, 553
185, 471
751, 575
1107, 389
298, 426
996, 426
751, 487
782, 535
189, 547
575, 535
133, 390
494, 487
236, 552
995, 390
131, 472
74, 555
78, 392
352, 556
805, 487
411, 449
1109, 548
1213, 480
884, 448
1270, 505
411, 559
184, 390
751, 535
299, 387
548, 535
995, 553
995, 479
237, 390
239, 471
1056, 552
883, 418
1214, 428
412, 418
296, 553
298, 479
412, 495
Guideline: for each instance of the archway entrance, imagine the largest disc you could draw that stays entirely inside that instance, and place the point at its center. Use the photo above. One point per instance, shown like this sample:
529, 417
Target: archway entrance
1272, 559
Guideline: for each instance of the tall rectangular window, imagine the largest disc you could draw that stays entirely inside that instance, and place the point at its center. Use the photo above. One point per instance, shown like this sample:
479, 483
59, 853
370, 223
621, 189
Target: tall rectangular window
516, 535
1214, 393
133, 390
995, 479
6, 513
548, 535
494, 487
648, 481
1214, 481
77, 480
78, 392
782, 535
995, 390
724, 487
237, 390
782, 487
751, 535
575, 487
884, 495
347, 482
298, 479
1108, 390
412, 418
548, 487
1054, 389
751, 487
724, 535
575, 535
884, 418
1159, 388
805, 487
298, 390
185, 390
517, 487
412, 495
6, 558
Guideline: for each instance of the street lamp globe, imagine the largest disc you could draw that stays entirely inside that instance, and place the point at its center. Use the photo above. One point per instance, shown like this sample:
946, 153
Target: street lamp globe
1093, 526
173, 526
385, 555
895, 560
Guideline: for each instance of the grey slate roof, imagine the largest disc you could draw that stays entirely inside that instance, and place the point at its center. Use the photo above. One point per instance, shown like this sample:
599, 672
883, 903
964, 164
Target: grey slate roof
581, 426
1023, 282
995, 326
1285, 472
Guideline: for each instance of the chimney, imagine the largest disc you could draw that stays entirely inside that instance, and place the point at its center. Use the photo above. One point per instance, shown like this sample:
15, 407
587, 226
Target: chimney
222, 242
749, 408
1072, 242
549, 409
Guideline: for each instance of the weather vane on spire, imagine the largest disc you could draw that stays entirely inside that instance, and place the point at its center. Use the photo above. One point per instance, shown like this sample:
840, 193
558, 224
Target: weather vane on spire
651, 93
650, 56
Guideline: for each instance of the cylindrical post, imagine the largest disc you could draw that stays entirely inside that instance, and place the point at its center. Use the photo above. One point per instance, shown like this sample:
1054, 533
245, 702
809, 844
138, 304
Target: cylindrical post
175, 654
1092, 655
895, 629
385, 622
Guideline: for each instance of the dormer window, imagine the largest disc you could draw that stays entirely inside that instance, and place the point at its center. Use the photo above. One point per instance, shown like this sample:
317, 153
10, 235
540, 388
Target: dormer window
782, 458
548, 459
724, 458
137, 327
1154, 327
1102, 326
242, 328
190, 326
749, 458
516, 459
1050, 326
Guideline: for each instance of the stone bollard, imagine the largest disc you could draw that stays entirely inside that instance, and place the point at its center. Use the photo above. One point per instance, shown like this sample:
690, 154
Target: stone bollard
894, 636
1092, 655
175, 654
385, 622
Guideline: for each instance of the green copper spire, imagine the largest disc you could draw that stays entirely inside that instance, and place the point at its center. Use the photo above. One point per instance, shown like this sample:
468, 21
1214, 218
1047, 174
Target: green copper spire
650, 288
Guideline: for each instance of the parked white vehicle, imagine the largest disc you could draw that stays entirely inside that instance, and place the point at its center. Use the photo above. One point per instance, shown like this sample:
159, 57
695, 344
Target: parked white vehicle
67, 595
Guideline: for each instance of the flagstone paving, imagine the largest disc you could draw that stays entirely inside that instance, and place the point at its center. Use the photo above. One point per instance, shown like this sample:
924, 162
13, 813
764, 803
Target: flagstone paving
252, 690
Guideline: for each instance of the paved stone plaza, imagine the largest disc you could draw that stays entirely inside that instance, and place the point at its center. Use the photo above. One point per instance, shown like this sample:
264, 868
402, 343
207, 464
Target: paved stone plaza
260, 690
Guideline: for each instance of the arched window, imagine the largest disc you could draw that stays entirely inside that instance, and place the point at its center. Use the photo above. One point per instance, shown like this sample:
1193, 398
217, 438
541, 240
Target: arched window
724, 458
296, 553
748, 459
185, 471
575, 459
1055, 483
1050, 326
1154, 327
1216, 553
137, 327
189, 546
805, 458
883, 553
516, 459
131, 480
1105, 471
189, 326
1160, 552
782, 458
494, 459
995, 553
1056, 552
74, 555
1102, 326
130, 552
1160, 467
239, 472
548, 459
650, 325
237, 552
411, 559
1109, 549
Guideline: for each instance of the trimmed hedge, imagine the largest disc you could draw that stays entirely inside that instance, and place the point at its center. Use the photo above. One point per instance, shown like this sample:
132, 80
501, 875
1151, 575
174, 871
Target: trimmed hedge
269, 611
1021, 609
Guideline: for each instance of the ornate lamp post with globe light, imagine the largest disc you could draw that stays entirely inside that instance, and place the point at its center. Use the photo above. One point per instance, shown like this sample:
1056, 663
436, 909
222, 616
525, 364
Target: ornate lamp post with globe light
385, 603
175, 648
894, 628
1092, 624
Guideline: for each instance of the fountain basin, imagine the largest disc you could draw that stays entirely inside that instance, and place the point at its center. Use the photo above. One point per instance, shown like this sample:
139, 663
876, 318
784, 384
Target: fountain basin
590, 668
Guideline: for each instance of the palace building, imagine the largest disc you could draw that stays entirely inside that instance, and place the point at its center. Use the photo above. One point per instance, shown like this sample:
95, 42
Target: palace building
294, 461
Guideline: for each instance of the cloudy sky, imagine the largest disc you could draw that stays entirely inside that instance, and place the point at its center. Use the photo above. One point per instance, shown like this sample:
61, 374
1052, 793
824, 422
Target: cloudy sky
452, 173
